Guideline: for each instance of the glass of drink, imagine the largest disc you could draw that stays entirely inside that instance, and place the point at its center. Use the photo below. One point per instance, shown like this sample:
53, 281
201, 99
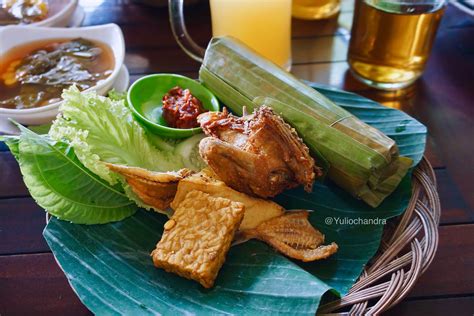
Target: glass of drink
392, 39
264, 25
315, 9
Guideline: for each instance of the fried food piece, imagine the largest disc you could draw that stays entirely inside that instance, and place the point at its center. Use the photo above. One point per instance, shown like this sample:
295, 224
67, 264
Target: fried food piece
258, 154
197, 237
292, 235
156, 189
256, 210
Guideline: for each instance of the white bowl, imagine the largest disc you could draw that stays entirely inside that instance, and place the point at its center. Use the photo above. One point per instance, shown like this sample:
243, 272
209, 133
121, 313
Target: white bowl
109, 34
61, 12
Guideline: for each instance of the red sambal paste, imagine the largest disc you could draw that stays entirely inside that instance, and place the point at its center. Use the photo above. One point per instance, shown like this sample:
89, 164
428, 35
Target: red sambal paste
181, 108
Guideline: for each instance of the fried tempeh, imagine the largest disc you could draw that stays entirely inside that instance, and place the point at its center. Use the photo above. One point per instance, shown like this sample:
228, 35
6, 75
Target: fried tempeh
156, 189
293, 235
197, 237
256, 210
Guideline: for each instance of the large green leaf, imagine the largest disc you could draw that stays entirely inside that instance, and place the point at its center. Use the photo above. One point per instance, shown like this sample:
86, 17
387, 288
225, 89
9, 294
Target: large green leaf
354, 225
110, 268
63, 186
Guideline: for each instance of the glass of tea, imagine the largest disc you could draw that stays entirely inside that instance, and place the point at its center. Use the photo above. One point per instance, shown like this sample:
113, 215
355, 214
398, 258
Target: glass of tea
391, 40
315, 9
264, 25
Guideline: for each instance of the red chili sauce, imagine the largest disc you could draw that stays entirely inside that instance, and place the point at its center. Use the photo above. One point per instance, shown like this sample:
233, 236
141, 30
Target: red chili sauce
181, 108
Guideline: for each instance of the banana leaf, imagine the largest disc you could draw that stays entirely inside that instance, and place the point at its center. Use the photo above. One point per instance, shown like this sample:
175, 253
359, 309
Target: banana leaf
360, 158
110, 269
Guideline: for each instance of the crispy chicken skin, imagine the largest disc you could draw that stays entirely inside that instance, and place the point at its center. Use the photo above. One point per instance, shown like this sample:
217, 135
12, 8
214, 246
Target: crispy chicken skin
294, 236
258, 154
156, 189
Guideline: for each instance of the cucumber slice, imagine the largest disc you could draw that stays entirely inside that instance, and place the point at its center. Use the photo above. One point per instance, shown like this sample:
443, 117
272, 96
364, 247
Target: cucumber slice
189, 152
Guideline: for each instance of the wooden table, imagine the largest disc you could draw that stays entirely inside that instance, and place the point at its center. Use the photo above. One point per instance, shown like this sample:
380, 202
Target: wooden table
30, 280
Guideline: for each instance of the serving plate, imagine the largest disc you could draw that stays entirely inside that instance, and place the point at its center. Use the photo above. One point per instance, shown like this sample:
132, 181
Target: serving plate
109, 34
110, 269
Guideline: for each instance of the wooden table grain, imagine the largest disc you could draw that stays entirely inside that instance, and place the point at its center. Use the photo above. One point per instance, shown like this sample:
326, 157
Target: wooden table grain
443, 99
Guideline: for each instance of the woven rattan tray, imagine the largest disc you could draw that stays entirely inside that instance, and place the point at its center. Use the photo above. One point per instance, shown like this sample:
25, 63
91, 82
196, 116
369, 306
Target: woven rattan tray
407, 249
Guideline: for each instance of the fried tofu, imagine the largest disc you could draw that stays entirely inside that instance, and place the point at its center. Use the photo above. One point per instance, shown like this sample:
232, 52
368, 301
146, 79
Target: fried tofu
156, 189
257, 210
198, 236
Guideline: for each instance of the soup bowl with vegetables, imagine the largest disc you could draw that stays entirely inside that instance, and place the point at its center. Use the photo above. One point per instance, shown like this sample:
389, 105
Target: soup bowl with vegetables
36, 64
56, 13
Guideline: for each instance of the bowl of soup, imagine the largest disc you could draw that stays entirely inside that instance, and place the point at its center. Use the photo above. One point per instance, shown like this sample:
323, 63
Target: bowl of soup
37, 64
56, 13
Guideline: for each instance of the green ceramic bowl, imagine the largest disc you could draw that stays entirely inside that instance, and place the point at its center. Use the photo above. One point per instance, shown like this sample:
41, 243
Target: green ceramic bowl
145, 95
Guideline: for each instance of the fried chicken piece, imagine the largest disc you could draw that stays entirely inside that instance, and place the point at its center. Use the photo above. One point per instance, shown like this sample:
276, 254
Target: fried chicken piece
258, 154
292, 235
257, 210
156, 189
198, 236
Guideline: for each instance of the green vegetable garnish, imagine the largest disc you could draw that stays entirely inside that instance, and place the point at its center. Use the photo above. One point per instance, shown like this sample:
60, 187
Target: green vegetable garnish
60, 184
103, 130
65, 171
